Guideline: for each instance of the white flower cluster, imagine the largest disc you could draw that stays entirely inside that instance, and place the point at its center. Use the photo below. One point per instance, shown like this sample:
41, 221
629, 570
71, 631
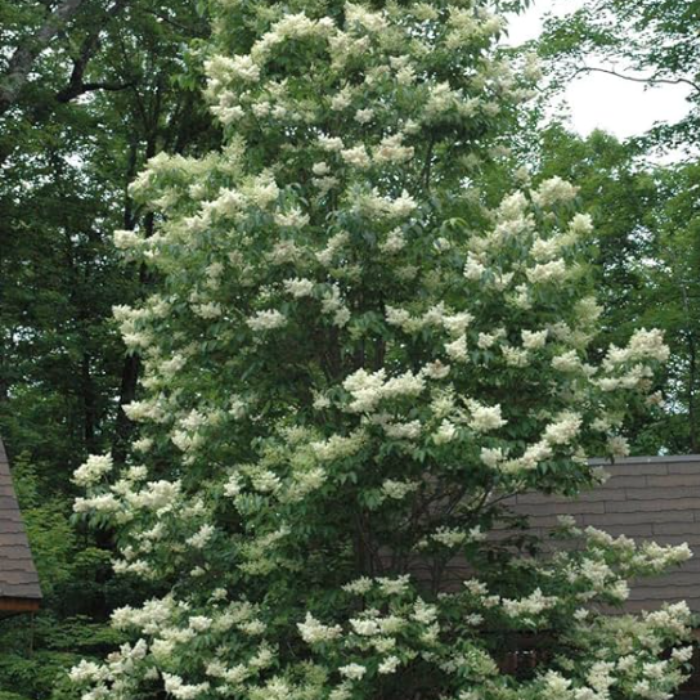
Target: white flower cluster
484, 419
313, 632
373, 205
339, 447
367, 389
532, 605
92, 471
643, 345
453, 537
267, 321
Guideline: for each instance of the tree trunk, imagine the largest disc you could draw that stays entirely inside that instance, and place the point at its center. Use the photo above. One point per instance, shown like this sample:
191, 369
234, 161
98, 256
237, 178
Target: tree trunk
91, 44
132, 363
692, 379
127, 393
89, 404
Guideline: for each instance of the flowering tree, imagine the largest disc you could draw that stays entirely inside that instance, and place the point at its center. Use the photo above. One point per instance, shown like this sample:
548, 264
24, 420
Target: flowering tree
352, 363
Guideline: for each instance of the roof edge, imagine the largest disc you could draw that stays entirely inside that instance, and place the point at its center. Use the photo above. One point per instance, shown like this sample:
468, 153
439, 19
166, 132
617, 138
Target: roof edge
24, 593
659, 459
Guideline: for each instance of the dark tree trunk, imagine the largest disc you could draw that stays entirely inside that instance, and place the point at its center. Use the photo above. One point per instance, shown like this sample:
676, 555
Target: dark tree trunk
89, 401
132, 363
692, 380
127, 393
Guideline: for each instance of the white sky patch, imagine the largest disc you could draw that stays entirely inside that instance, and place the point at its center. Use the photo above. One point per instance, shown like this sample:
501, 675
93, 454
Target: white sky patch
599, 101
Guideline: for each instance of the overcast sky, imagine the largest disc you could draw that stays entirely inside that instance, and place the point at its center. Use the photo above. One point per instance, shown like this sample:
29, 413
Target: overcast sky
601, 101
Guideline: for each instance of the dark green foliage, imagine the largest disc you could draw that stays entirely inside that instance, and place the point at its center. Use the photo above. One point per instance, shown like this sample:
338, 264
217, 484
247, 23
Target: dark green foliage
113, 86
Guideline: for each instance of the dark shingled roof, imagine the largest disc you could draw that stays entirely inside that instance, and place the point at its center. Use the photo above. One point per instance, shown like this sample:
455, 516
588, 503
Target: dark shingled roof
19, 582
646, 498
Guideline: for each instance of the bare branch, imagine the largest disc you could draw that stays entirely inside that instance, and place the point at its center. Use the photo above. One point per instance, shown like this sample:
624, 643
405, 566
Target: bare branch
71, 92
631, 78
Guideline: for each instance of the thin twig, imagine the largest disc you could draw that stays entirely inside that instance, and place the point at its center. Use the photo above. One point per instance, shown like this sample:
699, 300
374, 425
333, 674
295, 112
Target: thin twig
648, 81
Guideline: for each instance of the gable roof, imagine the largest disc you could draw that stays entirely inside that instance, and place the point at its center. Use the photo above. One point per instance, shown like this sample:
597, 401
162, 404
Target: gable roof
646, 498
19, 581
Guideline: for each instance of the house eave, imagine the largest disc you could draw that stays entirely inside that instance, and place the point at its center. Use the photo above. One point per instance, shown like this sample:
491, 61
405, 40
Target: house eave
13, 606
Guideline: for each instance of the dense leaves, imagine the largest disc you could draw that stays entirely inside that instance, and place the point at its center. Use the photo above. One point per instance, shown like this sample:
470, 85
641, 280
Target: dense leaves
88, 91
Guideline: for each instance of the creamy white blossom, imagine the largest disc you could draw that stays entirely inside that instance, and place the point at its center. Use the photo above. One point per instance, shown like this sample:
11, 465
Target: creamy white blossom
485, 418
93, 470
267, 320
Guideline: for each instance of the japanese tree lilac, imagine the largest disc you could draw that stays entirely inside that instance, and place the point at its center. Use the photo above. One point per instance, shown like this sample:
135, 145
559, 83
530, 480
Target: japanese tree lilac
354, 357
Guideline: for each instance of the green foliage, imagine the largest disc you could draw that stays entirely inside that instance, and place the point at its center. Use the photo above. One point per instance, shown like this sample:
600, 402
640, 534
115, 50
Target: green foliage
102, 98
37, 651
645, 239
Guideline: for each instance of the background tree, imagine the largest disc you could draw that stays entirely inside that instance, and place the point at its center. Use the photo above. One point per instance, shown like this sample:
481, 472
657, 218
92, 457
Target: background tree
648, 41
642, 280
621, 193
675, 295
645, 265
88, 92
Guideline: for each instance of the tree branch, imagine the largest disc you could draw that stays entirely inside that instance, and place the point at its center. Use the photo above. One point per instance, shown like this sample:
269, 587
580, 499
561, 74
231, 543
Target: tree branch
26, 54
90, 46
167, 20
648, 81
71, 92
